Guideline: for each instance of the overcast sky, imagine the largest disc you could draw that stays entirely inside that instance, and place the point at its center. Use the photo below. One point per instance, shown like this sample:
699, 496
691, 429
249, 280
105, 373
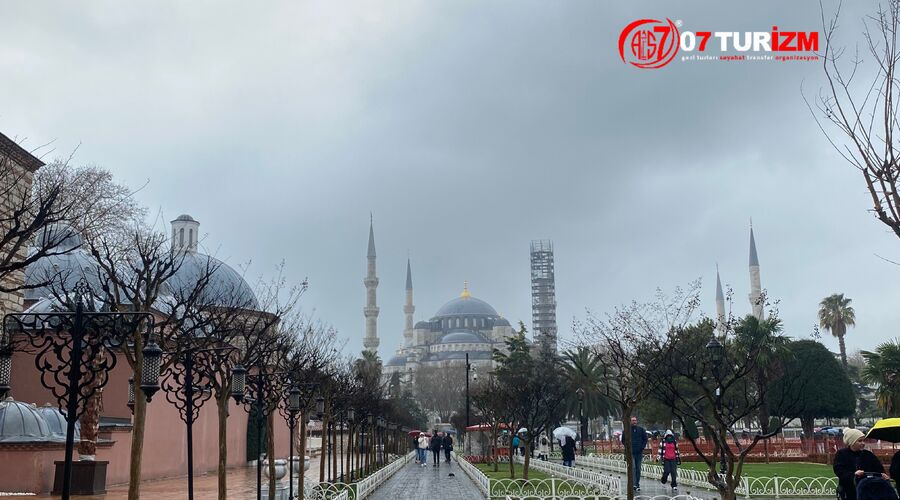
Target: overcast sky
468, 128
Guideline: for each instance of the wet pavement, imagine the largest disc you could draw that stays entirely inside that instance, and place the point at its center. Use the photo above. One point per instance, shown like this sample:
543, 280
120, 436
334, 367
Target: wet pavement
415, 482
241, 485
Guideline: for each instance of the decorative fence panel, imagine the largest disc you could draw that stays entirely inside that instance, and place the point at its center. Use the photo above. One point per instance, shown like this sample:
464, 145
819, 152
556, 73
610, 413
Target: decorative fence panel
769, 487
358, 490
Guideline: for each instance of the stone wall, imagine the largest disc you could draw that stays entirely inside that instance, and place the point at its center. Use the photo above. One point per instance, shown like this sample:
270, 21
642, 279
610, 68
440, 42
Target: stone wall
15, 187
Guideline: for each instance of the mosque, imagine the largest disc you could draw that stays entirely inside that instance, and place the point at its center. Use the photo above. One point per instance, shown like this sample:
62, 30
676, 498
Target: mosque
463, 326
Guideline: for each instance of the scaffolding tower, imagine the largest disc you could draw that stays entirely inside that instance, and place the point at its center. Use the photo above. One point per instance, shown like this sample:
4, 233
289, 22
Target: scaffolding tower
543, 293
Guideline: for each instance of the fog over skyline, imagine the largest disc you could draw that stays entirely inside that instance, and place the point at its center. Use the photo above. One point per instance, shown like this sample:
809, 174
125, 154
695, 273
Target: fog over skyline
468, 129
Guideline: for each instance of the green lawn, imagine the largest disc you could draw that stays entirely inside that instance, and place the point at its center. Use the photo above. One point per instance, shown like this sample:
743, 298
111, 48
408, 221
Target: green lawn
503, 472
782, 469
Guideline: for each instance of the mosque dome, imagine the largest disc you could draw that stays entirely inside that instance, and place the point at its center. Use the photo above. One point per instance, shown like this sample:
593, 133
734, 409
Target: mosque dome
22, 423
461, 337
226, 286
57, 422
68, 264
466, 305
398, 360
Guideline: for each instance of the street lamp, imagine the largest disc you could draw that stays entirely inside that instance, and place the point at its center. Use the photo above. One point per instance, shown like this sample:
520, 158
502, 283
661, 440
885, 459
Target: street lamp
716, 352
469, 368
261, 393
580, 393
187, 382
290, 412
74, 350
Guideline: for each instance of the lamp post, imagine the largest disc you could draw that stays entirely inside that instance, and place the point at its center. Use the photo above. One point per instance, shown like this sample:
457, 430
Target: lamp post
716, 352
259, 392
469, 368
289, 410
74, 353
581, 426
187, 382
349, 458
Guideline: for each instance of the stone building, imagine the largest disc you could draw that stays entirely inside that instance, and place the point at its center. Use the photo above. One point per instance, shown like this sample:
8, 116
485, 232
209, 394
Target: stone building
17, 168
464, 325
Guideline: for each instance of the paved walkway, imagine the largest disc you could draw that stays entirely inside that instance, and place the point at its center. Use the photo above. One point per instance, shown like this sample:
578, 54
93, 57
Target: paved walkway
415, 482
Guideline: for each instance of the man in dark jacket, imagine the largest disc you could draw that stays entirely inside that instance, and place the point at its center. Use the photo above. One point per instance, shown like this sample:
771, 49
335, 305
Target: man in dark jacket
448, 446
853, 462
638, 443
437, 441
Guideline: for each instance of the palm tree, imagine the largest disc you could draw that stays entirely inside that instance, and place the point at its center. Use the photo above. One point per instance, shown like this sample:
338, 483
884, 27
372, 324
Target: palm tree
835, 315
764, 340
583, 370
883, 370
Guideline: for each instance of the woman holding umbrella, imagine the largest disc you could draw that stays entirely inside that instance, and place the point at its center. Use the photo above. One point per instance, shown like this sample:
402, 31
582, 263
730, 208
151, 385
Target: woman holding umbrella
566, 438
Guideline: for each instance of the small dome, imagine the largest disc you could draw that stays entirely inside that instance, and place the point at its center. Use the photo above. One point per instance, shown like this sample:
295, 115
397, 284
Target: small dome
63, 269
501, 322
22, 423
423, 325
57, 422
185, 217
460, 337
466, 306
226, 287
398, 360
60, 237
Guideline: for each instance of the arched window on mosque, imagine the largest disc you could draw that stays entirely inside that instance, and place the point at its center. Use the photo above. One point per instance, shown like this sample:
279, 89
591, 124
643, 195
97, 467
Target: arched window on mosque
181, 237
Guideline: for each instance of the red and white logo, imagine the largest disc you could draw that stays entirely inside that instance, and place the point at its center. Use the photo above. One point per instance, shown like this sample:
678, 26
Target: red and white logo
649, 43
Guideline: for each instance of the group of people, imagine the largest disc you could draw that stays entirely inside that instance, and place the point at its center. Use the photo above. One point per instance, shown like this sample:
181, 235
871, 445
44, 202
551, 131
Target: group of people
855, 463
668, 454
437, 442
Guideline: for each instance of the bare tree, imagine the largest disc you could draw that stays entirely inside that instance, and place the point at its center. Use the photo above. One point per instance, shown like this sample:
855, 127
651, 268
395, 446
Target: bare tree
860, 101
438, 389
632, 342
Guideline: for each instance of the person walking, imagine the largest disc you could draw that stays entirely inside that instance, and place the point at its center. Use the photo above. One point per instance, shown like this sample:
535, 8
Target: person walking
515, 444
543, 447
421, 450
670, 458
436, 441
448, 447
853, 462
568, 451
638, 443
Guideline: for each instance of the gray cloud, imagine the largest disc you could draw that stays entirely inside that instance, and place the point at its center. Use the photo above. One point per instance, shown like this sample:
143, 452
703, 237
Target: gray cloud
469, 128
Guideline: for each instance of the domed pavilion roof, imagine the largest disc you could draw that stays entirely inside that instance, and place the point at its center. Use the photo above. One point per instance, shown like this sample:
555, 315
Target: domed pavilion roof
22, 423
461, 337
466, 305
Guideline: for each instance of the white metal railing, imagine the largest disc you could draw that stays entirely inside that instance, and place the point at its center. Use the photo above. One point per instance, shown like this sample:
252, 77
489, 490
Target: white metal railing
595, 497
775, 486
368, 484
481, 480
358, 490
605, 484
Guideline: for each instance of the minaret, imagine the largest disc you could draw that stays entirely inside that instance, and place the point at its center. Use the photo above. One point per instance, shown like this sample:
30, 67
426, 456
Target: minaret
756, 299
370, 342
408, 308
720, 304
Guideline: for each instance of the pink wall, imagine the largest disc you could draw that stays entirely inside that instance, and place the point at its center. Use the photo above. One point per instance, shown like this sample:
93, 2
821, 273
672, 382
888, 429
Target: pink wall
30, 468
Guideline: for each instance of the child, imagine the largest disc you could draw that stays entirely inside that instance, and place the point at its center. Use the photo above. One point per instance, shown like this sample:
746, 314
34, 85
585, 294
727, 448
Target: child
670, 457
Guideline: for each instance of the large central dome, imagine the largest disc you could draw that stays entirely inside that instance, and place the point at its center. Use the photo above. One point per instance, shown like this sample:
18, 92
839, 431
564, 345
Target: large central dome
466, 305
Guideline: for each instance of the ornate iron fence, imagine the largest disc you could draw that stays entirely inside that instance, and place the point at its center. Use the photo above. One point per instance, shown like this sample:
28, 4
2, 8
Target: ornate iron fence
358, 490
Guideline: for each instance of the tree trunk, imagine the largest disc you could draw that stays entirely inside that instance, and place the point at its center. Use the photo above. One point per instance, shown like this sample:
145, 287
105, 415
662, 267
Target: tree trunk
495, 452
270, 453
137, 434
334, 454
90, 425
222, 410
808, 424
629, 457
300, 480
512, 462
324, 447
527, 457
